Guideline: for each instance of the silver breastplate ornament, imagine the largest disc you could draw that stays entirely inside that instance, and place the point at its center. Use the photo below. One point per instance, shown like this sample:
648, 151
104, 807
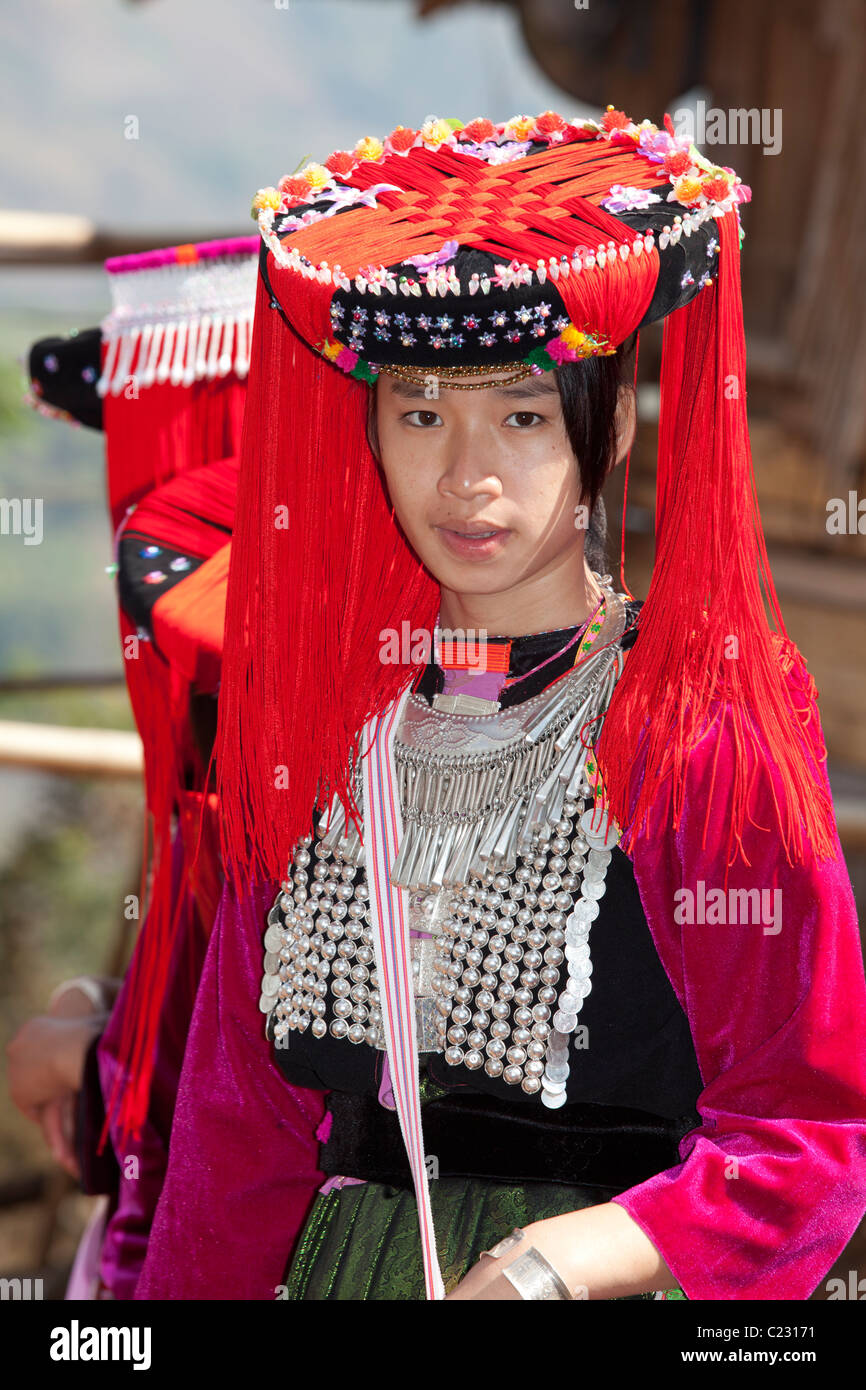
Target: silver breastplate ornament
505, 866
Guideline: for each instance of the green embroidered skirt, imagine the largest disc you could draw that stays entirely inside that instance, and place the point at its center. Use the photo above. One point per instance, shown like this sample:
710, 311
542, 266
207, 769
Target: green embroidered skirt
361, 1241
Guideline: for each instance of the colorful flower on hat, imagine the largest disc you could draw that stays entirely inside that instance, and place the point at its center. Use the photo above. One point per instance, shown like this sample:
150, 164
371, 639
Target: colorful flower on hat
613, 120
518, 127
572, 344
401, 140
265, 198
478, 130
341, 162
655, 144
316, 176
294, 189
550, 126
621, 199
435, 133
678, 162
687, 190
369, 147
717, 187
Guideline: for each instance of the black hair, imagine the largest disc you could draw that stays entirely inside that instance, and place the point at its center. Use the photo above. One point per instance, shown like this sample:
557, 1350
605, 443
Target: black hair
589, 391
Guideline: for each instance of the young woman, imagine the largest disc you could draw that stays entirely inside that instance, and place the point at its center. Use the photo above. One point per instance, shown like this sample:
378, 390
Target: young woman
562, 984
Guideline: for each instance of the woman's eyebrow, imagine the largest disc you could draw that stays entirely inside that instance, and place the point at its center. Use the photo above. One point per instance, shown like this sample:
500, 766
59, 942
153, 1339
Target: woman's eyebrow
530, 388
412, 391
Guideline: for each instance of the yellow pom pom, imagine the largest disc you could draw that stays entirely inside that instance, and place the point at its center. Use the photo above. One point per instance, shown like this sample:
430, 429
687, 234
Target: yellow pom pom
687, 190
316, 175
435, 132
369, 148
266, 198
572, 337
519, 127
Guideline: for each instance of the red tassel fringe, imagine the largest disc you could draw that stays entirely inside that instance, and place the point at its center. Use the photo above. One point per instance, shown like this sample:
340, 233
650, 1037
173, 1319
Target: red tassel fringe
704, 634
318, 570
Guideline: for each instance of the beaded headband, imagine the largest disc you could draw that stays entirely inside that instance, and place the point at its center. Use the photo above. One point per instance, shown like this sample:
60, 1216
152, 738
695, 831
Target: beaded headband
445, 376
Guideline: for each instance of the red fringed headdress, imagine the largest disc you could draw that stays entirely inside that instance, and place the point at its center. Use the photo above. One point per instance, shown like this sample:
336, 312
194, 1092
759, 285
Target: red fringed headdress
175, 351
532, 243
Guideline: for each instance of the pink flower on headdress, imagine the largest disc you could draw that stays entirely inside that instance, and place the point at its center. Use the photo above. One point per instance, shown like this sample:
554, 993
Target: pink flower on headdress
493, 153
622, 199
560, 351
656, 145
347, 359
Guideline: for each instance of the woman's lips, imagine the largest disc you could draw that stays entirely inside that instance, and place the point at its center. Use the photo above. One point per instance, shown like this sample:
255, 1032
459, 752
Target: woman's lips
474, 547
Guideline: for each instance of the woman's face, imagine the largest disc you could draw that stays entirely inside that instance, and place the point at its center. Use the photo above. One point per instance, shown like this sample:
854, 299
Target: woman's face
484, 483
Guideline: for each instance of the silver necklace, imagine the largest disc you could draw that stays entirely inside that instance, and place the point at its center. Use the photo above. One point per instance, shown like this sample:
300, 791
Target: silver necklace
479, 794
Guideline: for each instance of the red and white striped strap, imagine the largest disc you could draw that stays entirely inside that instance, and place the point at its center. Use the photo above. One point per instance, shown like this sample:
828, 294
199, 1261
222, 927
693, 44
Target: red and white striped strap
389, 916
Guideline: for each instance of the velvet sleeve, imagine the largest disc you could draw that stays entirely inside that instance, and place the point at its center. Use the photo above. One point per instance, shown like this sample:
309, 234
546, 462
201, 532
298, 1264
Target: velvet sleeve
242, 1163
772, 1185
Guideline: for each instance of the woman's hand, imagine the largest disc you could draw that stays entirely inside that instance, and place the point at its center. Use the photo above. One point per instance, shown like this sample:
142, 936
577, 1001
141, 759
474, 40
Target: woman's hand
46, 1059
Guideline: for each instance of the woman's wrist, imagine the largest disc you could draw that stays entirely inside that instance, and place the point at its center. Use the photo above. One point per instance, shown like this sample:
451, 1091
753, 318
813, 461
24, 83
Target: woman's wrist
599, 1252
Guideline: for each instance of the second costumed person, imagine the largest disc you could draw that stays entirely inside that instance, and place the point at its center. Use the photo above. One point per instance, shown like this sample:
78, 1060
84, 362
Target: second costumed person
455, 947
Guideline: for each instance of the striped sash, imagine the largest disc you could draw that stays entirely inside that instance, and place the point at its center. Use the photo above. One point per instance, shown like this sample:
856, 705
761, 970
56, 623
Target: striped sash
389, 918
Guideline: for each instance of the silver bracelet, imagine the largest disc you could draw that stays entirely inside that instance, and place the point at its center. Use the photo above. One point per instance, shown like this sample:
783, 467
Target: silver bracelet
531, 1274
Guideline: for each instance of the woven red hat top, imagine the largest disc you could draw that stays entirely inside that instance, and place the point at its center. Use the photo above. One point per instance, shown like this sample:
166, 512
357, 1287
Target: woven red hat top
536, 241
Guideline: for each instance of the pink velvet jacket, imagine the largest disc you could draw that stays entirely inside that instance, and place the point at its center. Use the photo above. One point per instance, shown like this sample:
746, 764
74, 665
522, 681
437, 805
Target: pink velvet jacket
768, 1190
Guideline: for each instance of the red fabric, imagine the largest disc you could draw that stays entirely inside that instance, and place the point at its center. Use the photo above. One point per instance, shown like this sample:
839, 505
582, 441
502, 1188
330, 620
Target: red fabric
165, 430
192, 512
188, 622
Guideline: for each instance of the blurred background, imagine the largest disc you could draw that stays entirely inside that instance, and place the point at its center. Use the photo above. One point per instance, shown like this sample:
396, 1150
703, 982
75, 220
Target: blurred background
225, 96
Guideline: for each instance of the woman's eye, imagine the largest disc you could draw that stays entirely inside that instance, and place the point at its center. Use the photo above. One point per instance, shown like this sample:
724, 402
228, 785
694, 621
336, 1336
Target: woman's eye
523, 419
422, 418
